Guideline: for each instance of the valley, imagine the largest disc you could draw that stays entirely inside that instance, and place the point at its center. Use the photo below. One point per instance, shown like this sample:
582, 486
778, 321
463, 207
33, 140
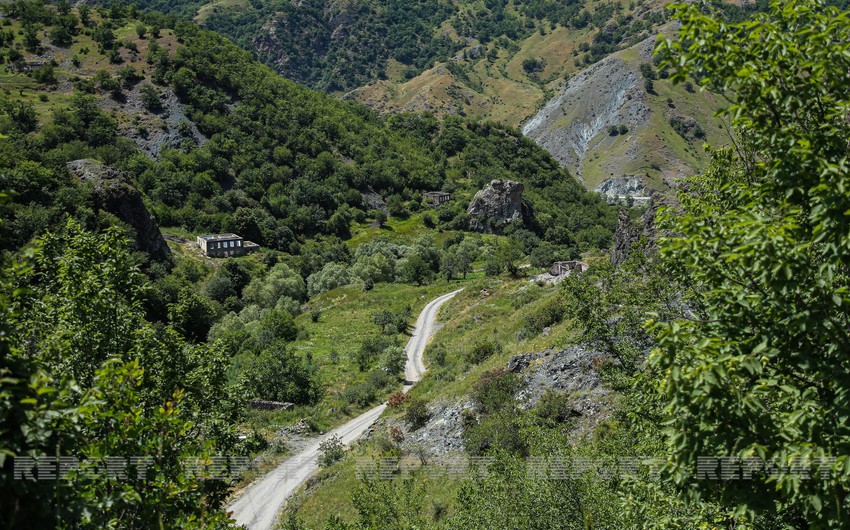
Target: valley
438, 264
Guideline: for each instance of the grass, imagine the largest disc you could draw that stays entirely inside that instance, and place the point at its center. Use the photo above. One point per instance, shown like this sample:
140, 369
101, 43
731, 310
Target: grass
468, 318
330, 491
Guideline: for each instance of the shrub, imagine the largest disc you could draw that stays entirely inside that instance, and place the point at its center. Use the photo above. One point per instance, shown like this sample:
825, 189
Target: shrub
417, 414
397, 399
315, 314
438, 354
331, 451
496, 390
532, 66
369, 350
502, 432
555, 406
150, 98
390, 322
278, 375
331, 276
548, 315
359, 394
482, 351
393, 360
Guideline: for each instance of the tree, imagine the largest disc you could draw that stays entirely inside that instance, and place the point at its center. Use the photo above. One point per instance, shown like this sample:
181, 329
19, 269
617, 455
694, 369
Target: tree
61, 37
758, 368
331, 276
141, 30
31, 40
278, 375
104, 37
280, 282
509, 254
71, 308
192, 315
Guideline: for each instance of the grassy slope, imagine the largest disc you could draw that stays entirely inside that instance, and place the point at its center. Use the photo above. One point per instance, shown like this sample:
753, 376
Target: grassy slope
468, 318
659, 145
509, 95
17, 86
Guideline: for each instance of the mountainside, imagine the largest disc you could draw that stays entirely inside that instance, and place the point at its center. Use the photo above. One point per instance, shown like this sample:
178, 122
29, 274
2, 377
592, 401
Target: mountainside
624, 130
233, 147
500, 60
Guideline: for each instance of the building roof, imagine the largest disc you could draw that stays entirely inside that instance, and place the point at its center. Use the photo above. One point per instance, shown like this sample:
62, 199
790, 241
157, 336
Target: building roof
219, 237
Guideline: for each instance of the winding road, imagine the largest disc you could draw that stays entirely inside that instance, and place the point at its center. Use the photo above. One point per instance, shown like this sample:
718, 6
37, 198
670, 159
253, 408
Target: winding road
258, 506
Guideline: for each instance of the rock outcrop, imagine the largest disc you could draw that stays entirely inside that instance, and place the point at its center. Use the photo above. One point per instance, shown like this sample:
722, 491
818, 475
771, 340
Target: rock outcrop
116, 195
497, 205
624, 237
619, 188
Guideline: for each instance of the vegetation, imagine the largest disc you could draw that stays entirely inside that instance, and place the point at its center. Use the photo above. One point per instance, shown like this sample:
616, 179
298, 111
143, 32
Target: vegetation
722, 334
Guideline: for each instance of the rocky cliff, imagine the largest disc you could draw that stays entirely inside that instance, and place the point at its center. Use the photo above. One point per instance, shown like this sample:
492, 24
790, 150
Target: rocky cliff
623, 134
497, 205
116, 195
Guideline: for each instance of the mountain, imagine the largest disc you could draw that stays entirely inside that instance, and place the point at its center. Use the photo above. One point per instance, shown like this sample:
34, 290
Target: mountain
217, 142
509, 62
624, 130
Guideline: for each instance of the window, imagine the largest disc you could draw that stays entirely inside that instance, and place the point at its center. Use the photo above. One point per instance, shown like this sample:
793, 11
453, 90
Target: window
238, 243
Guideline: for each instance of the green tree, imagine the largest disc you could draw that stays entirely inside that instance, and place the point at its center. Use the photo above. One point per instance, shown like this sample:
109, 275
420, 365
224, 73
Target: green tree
509, 254
758, 366
278, 375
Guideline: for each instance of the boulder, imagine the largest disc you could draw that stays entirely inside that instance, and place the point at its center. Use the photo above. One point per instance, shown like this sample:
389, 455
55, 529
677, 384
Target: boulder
116, 195
498, 204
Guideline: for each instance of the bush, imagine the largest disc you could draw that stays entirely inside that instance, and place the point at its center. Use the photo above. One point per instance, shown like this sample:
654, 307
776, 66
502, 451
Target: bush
150, 97
370, 349
532, 66
502, 432
495, 390
555, 406
331, 451
417, 414
393, 360
438, 354
315, 314
428, 220
392, 323
331, 276
359, 394
278, 375
397, 399
482, 351
551, 313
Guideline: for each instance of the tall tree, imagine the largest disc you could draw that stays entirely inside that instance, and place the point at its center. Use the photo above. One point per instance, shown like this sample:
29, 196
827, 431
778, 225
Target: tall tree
759, 369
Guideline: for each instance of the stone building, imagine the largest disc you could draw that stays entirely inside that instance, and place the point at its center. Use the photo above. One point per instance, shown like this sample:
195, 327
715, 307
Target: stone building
436, 198
226, 245
565, 268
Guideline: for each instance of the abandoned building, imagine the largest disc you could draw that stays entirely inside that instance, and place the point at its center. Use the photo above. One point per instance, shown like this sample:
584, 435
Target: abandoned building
565, 268
436, 198
226, 245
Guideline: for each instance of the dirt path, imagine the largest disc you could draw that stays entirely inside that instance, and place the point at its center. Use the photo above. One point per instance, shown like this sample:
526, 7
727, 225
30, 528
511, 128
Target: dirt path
258, 507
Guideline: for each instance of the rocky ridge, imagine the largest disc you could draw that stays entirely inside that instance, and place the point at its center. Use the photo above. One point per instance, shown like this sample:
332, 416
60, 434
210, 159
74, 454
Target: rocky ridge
118, 196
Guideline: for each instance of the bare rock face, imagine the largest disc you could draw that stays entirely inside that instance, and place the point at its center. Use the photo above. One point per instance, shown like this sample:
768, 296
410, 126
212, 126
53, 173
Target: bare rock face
498, 204
116, 195
624, 237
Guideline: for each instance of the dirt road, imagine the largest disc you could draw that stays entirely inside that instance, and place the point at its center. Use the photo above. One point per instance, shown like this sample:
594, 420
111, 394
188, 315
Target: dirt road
258, 506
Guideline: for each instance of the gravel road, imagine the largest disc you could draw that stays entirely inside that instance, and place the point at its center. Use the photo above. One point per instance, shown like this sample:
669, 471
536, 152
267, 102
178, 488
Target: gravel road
258, 506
